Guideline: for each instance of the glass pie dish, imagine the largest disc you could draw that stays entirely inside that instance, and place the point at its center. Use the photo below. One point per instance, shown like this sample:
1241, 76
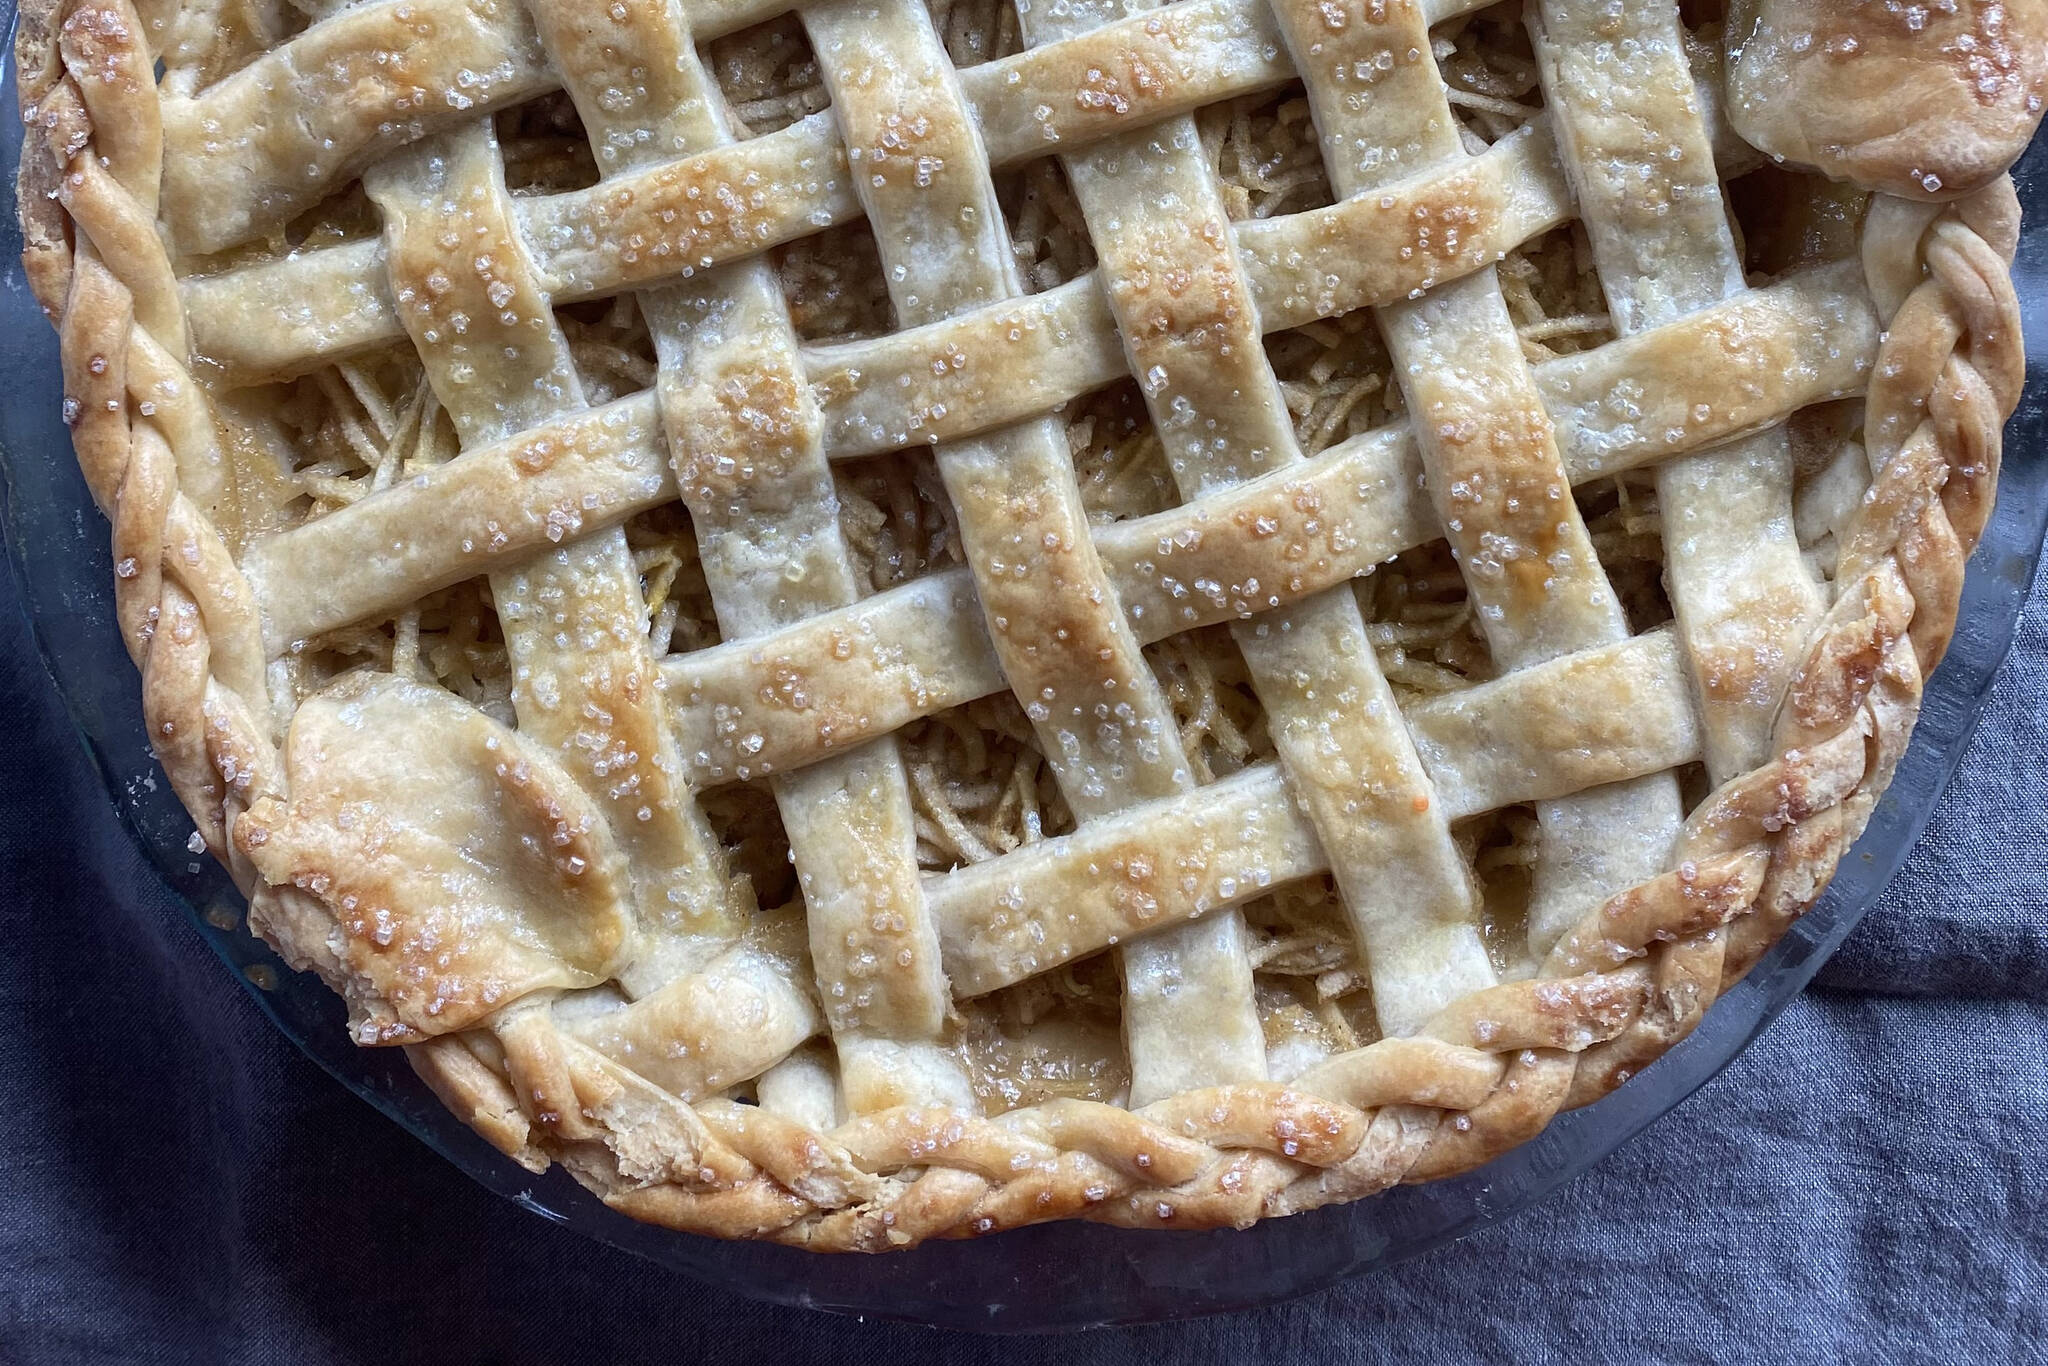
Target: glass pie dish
1048, 1277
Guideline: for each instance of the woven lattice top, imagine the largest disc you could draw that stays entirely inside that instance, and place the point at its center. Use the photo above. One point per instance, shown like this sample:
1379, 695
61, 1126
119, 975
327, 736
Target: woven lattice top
889, 620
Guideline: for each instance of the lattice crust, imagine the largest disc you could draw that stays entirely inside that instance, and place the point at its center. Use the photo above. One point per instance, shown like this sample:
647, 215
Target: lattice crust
705, 565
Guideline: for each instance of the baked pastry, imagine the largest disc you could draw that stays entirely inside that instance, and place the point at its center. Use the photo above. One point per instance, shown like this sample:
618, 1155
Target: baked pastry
888, 622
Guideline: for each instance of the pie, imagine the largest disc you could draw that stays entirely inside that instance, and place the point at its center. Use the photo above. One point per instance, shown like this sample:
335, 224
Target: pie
879, 622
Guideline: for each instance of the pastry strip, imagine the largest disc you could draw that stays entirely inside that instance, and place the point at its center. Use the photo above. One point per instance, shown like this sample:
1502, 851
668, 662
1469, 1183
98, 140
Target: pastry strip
732, 675
1757, 358
482, 56
743, 441
1066, 649
584, 684
1192, 335
584, 681
270, 140
733, 202
1549, 729
1494, 473
681, 216
1651, 203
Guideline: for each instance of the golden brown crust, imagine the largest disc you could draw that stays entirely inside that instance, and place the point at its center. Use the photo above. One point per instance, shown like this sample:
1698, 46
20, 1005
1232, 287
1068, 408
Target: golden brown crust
1924, 101
461, 866
1626, 981
213, 735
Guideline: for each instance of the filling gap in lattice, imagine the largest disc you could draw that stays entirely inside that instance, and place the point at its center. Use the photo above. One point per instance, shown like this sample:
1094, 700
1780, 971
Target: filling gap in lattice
1785, 219
544, 146
1628, 536
1265, 153
305, 447
610, 346
1501, 848
749, 826
1335, 378
680, 617
1119, 460
768, 75
1222, 726
1048, 234
1314, 997
451, 637
1421, 624
1831, 474
980, 784
1055, 1036
896, 518
834, 285
1553, 294
1489, 71
976, 31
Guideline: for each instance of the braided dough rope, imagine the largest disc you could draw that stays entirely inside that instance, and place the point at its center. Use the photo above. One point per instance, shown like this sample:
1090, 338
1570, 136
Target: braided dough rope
1752, 857
143, 431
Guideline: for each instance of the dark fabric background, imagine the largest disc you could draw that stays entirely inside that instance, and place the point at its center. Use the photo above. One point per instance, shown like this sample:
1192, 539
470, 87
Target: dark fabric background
178, 1185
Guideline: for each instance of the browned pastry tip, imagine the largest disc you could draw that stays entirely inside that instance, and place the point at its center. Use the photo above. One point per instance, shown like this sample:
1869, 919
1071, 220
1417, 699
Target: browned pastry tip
1929, 102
